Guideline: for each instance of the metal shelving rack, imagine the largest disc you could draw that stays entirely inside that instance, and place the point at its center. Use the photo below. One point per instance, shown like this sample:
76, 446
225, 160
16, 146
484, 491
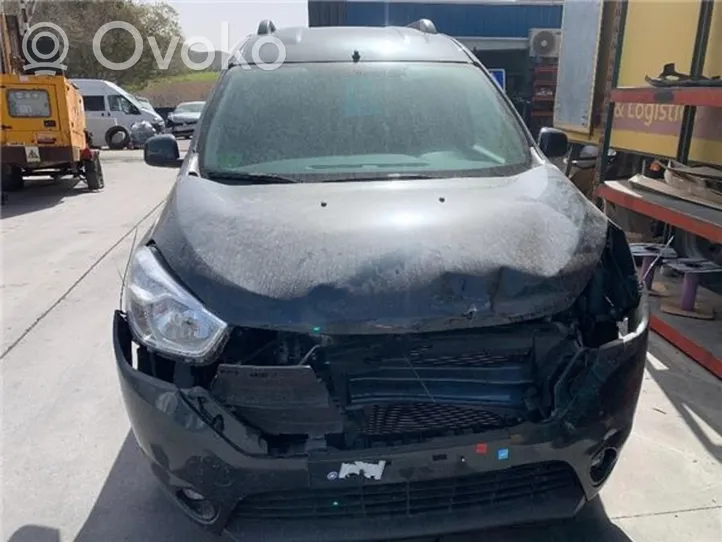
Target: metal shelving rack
699, 340
542, 105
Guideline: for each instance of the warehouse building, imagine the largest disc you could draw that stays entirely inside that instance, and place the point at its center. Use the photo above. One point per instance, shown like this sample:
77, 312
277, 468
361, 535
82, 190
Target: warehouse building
504, 34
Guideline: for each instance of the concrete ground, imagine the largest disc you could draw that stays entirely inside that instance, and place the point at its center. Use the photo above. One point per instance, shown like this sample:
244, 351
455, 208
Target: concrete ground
71, 469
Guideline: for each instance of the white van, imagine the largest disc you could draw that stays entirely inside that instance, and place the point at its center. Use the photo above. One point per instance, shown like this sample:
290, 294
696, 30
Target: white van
110, 111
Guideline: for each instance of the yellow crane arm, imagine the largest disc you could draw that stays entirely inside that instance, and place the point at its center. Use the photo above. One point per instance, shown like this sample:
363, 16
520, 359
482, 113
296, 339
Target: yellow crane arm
15, 17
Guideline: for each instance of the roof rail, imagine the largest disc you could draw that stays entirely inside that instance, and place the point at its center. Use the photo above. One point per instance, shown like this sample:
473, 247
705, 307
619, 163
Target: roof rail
423, 25
266, 27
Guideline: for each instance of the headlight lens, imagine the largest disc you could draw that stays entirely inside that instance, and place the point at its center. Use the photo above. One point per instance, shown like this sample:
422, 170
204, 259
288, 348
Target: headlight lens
165, 317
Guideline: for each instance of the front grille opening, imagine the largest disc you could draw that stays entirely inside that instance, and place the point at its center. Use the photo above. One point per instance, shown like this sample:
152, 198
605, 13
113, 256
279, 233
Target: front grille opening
405, 423
393, 425
466, 359
521, 486
414, 417
384, 390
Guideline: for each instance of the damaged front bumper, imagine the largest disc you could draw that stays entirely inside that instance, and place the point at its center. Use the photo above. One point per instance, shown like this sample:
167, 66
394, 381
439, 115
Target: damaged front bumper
181, 129
528, 472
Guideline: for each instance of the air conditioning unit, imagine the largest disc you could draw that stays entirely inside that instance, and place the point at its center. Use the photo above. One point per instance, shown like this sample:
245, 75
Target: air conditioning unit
545, 42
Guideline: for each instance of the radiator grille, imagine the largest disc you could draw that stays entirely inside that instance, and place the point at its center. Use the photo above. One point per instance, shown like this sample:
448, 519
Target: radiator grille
400, 419
521, 486
424, 357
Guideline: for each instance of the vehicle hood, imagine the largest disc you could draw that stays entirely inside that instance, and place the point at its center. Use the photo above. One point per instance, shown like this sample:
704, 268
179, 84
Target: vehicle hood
383, 256
184, 117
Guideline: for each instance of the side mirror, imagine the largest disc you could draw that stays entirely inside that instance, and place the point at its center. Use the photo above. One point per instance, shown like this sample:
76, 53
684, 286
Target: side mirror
552, 142
162, 151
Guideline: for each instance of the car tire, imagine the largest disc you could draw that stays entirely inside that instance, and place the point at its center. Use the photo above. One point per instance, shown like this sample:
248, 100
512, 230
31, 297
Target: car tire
94, 172
114, 142
12, 179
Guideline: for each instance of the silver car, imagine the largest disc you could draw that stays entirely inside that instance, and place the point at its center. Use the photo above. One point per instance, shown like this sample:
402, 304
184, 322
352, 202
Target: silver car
182, 121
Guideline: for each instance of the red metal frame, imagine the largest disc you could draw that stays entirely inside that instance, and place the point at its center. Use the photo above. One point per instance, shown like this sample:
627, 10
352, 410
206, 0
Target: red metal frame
701, 355
692, 224
708, 230
699, 96
689, 97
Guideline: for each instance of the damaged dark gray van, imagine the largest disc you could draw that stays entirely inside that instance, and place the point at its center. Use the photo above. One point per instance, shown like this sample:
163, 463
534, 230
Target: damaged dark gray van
371, 308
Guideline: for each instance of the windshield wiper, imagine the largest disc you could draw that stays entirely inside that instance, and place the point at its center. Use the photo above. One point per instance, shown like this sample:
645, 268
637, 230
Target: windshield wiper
387, 177
248, 177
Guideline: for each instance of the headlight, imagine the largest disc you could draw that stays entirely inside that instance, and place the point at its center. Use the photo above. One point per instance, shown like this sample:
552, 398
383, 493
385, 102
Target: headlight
165, 317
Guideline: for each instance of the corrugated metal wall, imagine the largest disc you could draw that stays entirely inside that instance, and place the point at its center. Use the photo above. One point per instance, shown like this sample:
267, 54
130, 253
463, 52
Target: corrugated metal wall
326, 13
462, 20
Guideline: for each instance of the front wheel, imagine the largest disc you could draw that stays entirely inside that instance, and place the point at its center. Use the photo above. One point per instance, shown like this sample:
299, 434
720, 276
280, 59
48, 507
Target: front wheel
94, 172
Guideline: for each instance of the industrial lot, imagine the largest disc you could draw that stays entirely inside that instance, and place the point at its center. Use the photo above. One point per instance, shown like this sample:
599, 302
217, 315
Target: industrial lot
109, 435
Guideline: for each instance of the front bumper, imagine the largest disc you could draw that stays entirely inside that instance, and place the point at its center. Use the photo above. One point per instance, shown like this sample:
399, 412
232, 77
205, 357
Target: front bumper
181, 129
530, 472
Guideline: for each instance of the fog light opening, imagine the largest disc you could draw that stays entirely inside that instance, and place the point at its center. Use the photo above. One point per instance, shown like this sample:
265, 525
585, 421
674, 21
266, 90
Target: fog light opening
197, 504
192, 495
602, 464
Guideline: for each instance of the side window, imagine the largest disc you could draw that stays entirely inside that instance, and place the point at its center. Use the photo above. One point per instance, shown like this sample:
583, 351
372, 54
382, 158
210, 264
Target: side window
94, 103
121, 103
115, 103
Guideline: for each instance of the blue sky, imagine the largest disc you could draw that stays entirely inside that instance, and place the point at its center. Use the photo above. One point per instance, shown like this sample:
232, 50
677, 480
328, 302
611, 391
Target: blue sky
200, 18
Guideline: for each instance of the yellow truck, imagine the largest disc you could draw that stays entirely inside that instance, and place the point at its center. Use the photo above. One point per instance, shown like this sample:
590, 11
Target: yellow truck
42, 119
43, 131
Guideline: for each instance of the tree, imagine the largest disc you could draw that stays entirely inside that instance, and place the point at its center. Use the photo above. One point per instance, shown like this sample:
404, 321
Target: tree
81, 21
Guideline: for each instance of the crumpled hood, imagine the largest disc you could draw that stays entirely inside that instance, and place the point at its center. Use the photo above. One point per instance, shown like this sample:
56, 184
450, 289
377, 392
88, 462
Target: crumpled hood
184, 117
370, 257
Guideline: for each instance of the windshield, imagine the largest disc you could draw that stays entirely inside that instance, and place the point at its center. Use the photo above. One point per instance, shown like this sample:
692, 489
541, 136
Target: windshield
315, 121
190, 108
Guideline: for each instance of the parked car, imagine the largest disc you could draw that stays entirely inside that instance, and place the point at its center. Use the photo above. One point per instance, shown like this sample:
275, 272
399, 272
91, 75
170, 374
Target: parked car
111, 111
182, 121
371, 307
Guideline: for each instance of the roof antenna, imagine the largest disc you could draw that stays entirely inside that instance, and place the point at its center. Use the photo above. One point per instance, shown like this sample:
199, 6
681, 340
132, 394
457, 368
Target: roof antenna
424, 25
266, 27
356, 56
